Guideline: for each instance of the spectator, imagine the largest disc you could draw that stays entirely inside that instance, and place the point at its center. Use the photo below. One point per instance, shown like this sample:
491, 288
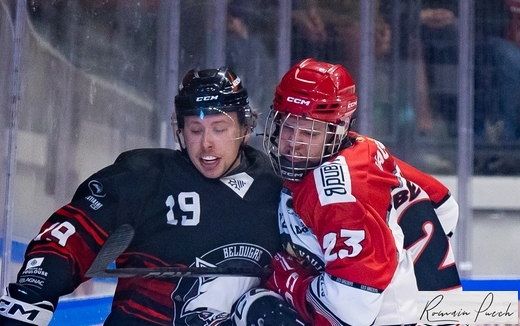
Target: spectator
250, 52
505, 49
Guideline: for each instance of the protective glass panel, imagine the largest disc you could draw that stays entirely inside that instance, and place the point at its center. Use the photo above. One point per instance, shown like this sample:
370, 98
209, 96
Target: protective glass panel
415, 92
87, 93
497, 88
98, 77
251, 52
405, 60
6, 127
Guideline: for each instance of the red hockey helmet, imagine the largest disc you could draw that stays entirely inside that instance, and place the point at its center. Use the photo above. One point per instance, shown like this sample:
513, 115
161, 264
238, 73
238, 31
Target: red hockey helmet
317, 90
309, 118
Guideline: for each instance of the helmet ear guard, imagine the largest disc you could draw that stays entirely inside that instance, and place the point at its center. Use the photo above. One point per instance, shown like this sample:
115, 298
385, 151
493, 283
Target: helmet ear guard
177, 134
250, 119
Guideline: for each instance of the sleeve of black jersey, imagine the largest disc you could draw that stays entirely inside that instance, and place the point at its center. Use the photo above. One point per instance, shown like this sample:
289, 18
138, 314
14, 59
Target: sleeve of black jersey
58, 257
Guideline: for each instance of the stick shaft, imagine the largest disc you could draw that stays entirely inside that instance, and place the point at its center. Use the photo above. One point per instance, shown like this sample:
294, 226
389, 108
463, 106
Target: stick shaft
172, 272
120, 239
115, 244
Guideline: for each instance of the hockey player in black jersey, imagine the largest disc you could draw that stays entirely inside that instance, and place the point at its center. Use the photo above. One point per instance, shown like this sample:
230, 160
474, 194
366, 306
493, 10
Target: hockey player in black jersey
211, 203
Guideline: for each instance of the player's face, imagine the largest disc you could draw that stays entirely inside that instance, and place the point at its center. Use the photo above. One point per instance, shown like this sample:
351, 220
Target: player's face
302, 139
213, 142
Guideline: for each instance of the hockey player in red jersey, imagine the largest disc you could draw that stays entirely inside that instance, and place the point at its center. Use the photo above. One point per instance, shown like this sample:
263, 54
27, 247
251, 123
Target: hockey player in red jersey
212, 203
363, 230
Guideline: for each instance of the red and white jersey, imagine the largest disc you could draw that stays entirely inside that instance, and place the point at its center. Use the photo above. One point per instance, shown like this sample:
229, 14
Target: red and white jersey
344, 218
427, 233
446, 208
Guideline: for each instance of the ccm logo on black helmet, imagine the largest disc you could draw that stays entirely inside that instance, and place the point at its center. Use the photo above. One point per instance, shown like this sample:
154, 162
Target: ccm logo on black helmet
298, 101
206, 98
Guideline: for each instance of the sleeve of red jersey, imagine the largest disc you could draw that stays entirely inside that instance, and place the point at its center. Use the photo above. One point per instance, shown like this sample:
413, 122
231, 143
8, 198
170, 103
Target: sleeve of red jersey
435, 189
446, 207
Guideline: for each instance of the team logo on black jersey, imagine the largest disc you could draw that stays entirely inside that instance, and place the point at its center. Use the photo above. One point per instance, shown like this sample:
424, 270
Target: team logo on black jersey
239, 183
191, 293
35, 262
96, 188
238, 255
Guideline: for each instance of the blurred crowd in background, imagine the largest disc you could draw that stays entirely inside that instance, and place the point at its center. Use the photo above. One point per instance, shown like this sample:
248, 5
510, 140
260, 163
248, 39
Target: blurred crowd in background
84, 80
415, 49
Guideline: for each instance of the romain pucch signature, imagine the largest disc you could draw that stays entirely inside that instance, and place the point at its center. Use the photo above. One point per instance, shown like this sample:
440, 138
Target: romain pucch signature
433, 312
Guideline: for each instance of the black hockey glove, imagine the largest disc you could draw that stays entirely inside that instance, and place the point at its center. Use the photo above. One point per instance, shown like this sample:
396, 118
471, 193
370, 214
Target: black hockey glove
262, 307
22, 306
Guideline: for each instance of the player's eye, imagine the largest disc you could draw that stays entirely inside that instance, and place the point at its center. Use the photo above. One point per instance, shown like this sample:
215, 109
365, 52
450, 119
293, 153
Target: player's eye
308, 133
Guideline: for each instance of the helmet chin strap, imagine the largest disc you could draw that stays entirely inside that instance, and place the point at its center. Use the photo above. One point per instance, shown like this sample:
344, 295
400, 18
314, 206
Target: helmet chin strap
178, 135
231, 166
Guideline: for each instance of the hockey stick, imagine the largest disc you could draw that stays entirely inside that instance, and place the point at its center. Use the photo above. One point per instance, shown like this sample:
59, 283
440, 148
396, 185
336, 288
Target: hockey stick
116, 243
170, 272
120, 239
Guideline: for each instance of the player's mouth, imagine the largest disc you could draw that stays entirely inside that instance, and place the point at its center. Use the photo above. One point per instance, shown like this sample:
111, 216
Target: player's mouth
294, 157
292, 151
209, 161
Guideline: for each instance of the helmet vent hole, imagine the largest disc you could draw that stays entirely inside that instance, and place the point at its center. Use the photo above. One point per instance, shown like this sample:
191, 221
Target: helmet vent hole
300, 92
207, 89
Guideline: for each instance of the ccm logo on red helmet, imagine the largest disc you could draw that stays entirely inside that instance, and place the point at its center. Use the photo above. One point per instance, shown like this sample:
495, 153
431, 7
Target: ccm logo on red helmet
206, 98
351, 104
298, 101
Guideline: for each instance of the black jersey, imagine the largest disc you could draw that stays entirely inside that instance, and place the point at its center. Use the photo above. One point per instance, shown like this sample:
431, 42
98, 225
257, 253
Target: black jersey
180, 218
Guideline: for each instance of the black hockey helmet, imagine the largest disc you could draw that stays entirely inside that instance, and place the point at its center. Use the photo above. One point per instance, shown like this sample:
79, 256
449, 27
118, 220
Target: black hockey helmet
212, 91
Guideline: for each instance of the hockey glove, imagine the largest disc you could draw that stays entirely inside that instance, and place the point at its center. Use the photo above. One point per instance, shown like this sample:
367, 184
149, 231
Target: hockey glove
22, 306
290, 279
